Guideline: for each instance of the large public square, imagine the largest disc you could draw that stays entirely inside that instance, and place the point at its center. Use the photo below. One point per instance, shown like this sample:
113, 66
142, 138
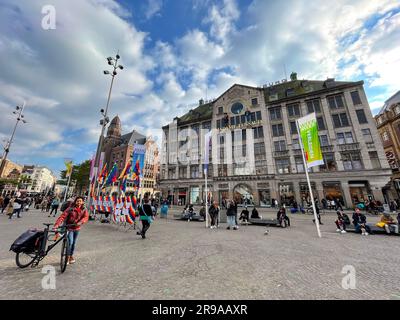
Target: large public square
184, 260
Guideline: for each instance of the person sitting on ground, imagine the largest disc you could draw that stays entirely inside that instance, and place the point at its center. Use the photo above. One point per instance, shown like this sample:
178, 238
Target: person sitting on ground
342, 220
360, 222
244, 215
254, 214
281, 215
386, 222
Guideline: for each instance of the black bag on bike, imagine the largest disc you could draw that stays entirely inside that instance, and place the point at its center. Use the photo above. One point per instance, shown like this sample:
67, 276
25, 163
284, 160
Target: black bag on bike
27, 242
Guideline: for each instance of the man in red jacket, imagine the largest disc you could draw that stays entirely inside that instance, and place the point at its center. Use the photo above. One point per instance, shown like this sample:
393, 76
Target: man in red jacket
74, 217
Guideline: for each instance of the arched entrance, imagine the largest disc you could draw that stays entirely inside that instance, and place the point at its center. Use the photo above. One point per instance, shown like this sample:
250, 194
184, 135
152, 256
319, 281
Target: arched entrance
243, 194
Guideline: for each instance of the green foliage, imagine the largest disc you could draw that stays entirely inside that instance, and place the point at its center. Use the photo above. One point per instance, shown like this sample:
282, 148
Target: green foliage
80, 173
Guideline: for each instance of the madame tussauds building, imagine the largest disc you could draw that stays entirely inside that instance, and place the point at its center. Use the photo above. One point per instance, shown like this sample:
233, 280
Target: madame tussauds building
254, 154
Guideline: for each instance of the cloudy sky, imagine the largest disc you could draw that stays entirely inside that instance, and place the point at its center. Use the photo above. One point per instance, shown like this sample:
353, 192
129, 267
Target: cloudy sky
174, 53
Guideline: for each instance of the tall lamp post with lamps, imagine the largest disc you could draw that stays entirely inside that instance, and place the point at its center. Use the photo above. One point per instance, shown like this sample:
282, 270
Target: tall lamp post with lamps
113, 62
20, 117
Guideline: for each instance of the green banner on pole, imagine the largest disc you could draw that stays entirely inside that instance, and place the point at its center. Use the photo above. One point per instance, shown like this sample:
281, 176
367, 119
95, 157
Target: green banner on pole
310, 140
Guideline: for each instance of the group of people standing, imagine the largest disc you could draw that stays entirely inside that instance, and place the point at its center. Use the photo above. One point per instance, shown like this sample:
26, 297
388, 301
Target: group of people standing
14, 205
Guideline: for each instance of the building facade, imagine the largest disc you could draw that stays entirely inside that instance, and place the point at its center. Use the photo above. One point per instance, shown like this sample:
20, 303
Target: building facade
118, 149
388, 124
10, 167
42, 179
255, 154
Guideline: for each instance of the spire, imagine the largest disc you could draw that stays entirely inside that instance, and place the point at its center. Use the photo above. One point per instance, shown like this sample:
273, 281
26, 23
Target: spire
115, 127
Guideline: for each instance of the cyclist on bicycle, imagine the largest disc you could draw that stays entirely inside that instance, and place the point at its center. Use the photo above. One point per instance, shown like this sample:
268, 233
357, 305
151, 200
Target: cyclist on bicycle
75, 215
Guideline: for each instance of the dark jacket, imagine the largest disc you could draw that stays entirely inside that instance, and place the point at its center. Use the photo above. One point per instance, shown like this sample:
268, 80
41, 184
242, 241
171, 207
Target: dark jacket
145, 210
254, 214
232, 210
213, 211
358, 219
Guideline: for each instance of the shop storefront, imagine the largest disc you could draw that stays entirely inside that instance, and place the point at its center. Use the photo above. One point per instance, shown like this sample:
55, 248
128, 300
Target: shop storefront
305, 196
333, 191
243, 195
286, 194
359, 191
195, 195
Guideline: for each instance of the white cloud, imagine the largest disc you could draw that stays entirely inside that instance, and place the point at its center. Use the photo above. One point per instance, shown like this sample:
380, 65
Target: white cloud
153, 8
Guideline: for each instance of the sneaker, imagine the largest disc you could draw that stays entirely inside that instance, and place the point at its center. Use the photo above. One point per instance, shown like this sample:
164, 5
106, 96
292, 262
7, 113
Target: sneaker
71, 260
338, 230
138, 233
366, 233
228, 228
363, 233
343, 231
235, 228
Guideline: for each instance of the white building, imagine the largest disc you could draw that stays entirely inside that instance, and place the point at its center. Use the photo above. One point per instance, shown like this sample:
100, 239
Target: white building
42, 179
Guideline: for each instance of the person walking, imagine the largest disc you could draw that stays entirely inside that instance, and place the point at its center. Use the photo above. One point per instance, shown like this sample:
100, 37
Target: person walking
10, 207
318, 213
6, 201
214, 211
146, 215
74, 217
54, 206
43, 204
230, 214
17, 207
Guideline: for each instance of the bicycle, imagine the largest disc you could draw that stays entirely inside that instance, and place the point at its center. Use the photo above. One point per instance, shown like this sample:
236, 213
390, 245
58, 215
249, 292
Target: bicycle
26, 259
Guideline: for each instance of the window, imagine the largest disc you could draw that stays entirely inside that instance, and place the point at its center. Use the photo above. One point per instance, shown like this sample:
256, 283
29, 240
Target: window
367, 135
280, 145
361, 116
329, 162
385, 136
259, 151
222, 170
344, 137
244, 135
258, 115
321, 124
290, 92
254, 101
293, 127
282, 166
355, 97
299, 164
397, 110
218, 124
258, 132
336, 102
221, 138
220, 110
379, 120
275, 113
323, 140
295, 144
340, 120
314, 106
182, 172
373, 155
293, 110
277, 130
351, 161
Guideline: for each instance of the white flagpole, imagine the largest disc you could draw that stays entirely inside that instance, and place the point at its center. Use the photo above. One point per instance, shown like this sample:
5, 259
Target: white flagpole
308, 181
206, 192
66, 190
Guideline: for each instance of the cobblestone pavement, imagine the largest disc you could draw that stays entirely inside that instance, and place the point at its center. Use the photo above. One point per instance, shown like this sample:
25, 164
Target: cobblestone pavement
183, 260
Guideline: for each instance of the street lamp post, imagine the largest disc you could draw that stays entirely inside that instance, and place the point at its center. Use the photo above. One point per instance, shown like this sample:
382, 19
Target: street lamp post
103, 122
20, 117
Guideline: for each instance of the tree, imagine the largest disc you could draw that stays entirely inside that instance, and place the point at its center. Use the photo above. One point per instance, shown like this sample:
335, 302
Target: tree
80, 173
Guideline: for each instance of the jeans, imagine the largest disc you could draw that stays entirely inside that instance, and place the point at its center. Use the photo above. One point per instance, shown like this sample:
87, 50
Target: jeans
72, 236
16, 211
213, 219
52, 209
231, 221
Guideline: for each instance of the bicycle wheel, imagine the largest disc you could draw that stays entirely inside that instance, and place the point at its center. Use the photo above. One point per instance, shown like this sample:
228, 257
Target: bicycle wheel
24, 260
64, 257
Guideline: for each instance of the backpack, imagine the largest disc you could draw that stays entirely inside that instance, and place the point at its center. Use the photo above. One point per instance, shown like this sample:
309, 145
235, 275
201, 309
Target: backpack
28, 241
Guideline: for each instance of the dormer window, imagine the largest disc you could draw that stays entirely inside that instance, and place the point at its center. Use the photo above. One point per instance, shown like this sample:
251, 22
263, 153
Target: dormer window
290, 92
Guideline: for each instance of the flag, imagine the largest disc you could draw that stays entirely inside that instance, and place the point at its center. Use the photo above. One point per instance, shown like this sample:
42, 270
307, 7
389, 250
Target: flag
126, 170
123, 185
112, 176
308, 131
69, 166
103, 174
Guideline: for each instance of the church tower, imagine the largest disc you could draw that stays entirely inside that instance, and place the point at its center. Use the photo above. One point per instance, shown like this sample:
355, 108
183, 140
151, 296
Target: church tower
112, 139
